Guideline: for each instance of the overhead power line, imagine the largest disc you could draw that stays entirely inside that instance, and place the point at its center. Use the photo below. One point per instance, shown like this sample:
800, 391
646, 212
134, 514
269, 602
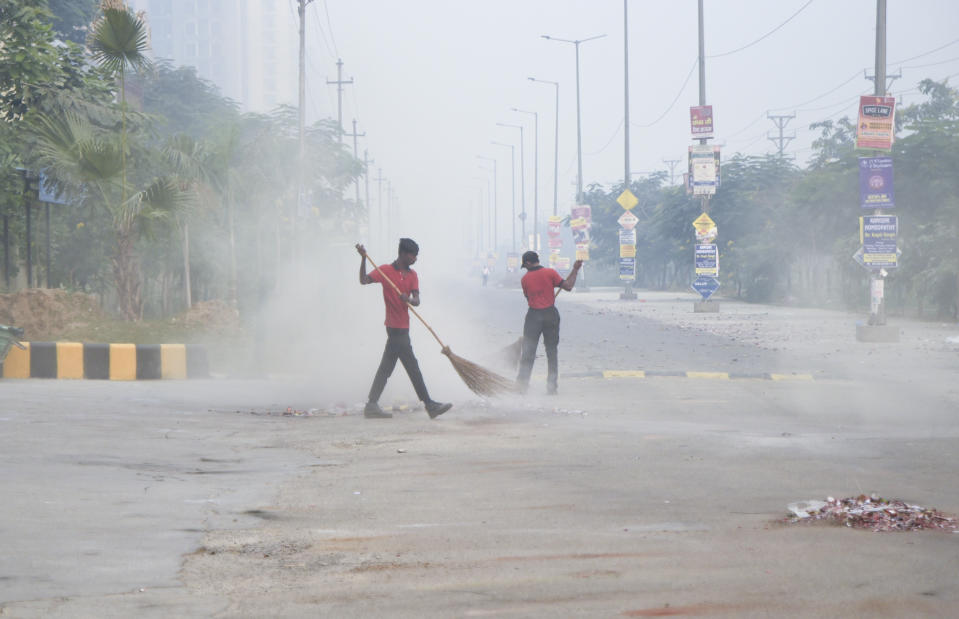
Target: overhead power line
326, 8
932, 51
671, 105
748, 45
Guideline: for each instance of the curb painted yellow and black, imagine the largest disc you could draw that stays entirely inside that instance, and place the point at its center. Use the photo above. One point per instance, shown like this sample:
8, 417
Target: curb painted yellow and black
688, 374
75, 360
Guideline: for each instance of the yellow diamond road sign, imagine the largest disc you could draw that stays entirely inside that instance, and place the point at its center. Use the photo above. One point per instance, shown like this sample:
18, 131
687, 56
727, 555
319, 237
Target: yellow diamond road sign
704, 223
627, 200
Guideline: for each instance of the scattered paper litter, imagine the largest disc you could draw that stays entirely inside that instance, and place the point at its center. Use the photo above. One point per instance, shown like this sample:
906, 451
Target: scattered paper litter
872, 512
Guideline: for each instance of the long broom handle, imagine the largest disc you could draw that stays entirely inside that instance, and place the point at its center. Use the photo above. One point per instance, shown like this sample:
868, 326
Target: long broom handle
410, 305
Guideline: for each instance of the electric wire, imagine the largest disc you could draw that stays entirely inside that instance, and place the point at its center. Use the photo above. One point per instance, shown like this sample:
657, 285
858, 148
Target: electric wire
748, 45
671, 105
932, 64
609, 141
932, 51
326, 8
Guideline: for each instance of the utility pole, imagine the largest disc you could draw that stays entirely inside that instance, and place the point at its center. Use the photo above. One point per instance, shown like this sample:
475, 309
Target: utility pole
389, 210
626, 174
356, 156
876, 329
890, 78
512, 167
366, 183
301, 123
781, 120
579, 136
535, 244
495, 202
522, 183
380, 220
627, 294
555, 146
672, 169
706, 305
339, 96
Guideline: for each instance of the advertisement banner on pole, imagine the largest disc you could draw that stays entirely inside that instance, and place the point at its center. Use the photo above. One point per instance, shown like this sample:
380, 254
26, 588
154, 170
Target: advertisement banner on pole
627, 269
879, 235
562, 264
701, 121
876, 122
553, 226
582, 211
512, 261
627, 237
554, 243
580, 228
707, 260
704, 168
875, 182
582, 251
627, 251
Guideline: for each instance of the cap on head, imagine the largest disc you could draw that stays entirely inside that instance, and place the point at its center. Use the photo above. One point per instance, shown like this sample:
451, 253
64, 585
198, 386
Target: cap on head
530, 258
408, 246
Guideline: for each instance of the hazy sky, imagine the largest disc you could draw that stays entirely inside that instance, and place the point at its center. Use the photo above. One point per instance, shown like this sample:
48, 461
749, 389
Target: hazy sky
433, 77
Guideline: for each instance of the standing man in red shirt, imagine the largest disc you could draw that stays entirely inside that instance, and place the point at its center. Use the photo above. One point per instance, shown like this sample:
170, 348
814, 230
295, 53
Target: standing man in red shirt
542, 318
398, 345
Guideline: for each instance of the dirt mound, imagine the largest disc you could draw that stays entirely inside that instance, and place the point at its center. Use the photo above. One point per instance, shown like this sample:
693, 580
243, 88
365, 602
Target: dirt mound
43, 313
214, 317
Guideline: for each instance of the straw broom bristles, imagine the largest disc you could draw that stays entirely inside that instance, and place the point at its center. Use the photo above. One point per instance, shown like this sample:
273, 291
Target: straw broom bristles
481, 381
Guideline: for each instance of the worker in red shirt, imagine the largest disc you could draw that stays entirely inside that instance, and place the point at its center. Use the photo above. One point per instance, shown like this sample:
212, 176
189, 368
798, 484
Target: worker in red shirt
542, 318
398, 345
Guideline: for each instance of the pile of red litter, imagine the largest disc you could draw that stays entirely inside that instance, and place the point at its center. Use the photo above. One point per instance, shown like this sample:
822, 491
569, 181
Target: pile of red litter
873, 512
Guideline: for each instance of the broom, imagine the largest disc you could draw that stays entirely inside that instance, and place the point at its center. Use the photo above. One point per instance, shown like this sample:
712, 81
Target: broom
514, 351
480, 380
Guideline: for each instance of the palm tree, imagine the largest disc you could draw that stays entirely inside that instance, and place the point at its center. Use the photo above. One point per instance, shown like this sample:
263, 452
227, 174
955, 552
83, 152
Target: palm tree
78, 156
119, 41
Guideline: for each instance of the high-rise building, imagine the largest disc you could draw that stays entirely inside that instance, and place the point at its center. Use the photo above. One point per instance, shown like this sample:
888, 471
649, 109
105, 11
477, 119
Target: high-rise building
248, 48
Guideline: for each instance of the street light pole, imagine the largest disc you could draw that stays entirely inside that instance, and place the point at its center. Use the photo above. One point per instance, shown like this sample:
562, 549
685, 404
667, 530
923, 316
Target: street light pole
535, 175
522, 184
555, 146
488, 205
495, 201
579, 128
512, 168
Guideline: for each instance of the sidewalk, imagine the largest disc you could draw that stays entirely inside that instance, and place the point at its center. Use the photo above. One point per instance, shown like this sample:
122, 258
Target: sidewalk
811, 339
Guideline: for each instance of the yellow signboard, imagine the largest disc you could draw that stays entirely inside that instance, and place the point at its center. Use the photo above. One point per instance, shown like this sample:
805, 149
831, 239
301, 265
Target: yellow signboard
627, 251
704, 223
627, 200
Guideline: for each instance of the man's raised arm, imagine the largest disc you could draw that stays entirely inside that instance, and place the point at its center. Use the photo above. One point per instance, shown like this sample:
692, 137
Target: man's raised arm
364, 278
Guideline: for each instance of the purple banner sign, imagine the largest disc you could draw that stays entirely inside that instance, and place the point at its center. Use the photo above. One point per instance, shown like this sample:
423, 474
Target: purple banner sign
875, 182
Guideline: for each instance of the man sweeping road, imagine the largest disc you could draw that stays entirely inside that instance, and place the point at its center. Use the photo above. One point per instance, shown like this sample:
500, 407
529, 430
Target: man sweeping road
542, 318
398, 345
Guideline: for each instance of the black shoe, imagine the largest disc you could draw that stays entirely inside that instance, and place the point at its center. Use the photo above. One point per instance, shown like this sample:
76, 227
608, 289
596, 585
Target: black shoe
373, 411
435, 409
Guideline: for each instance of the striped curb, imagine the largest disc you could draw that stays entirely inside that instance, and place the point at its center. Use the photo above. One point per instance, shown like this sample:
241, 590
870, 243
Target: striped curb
615, 374
75, 360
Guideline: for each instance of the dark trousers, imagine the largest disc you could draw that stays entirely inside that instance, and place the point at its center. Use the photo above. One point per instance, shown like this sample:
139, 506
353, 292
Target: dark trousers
398, 346
545, 322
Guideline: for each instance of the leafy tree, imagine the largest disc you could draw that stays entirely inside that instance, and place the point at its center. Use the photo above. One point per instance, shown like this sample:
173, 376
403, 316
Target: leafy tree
72, 18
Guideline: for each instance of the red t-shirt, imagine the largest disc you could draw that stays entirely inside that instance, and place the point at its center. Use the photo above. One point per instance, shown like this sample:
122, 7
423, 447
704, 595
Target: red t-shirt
538, 285
397, 312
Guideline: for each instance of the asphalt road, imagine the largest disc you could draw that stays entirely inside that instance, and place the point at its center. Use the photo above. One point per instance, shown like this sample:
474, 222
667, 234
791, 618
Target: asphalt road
627, 496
